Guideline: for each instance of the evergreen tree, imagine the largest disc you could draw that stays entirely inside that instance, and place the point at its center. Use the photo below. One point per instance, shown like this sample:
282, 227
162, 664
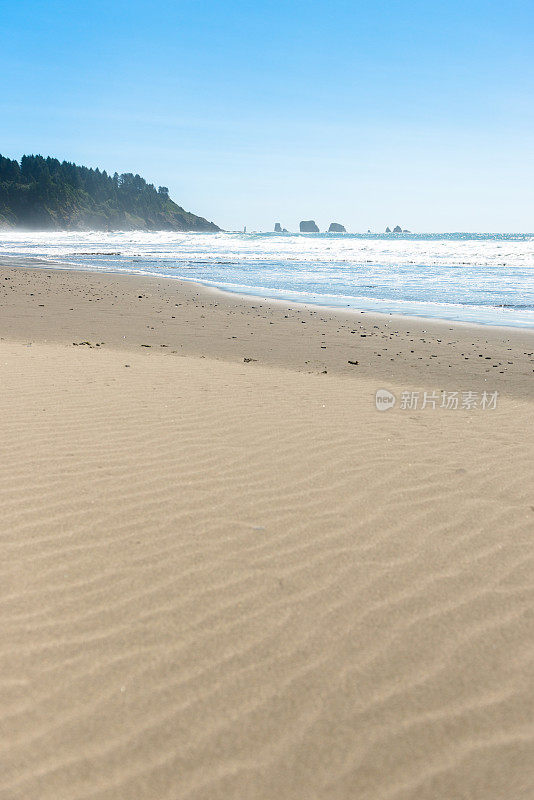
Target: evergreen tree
46, 193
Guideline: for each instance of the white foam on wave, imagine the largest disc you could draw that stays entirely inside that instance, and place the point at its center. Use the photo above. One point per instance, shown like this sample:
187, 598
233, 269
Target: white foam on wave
485, 278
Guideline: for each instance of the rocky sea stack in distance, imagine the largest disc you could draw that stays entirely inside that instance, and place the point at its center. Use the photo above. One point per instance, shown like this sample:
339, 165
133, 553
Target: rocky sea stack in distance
308, 226
396, 229
335, 227
44, 193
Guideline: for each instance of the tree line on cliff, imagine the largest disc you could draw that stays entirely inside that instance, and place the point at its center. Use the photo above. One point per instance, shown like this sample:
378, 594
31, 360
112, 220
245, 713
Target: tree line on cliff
44, 193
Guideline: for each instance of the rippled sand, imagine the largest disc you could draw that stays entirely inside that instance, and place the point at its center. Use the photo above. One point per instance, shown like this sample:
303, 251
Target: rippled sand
230, 580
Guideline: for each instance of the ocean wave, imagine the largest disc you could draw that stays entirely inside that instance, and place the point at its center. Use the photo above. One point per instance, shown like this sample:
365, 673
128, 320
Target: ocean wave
475, 277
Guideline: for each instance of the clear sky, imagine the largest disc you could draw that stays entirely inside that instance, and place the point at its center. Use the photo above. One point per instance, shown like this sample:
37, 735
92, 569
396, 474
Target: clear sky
365, 113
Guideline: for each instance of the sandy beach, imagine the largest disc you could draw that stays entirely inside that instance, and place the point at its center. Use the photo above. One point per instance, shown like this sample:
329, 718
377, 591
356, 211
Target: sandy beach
227, 575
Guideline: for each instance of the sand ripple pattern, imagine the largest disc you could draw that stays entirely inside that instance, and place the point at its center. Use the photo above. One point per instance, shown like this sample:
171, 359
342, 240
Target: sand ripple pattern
224, 581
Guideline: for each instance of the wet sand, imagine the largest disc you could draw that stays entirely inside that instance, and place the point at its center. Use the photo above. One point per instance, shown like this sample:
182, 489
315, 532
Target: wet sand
129, 312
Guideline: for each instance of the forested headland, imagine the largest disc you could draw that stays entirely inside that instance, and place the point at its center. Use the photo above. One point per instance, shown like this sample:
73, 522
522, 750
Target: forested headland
46, 194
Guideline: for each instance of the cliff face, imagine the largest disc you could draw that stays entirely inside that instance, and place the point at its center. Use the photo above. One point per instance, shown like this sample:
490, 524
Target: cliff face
43, 193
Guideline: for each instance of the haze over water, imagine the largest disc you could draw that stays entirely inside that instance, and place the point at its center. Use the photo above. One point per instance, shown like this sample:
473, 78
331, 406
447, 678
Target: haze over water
482, 278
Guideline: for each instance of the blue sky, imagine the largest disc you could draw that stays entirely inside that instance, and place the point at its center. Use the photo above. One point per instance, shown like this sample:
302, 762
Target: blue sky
365, 113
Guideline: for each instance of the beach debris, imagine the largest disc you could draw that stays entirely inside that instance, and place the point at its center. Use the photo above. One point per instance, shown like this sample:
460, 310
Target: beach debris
248, 360
353, 362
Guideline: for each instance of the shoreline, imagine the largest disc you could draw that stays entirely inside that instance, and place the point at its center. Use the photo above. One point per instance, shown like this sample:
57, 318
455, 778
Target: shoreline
381, 315
37, 263
188, 317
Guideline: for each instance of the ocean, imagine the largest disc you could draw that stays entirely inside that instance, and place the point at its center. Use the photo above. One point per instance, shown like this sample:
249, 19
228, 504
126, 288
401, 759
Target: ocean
480, 278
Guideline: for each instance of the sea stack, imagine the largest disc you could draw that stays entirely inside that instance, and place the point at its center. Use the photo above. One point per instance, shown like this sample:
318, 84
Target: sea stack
388, 230
335, 227
397, 229
277, 227
308, 226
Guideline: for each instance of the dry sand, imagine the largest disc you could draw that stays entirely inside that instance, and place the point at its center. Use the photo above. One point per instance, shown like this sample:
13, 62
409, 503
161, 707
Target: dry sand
240, 581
